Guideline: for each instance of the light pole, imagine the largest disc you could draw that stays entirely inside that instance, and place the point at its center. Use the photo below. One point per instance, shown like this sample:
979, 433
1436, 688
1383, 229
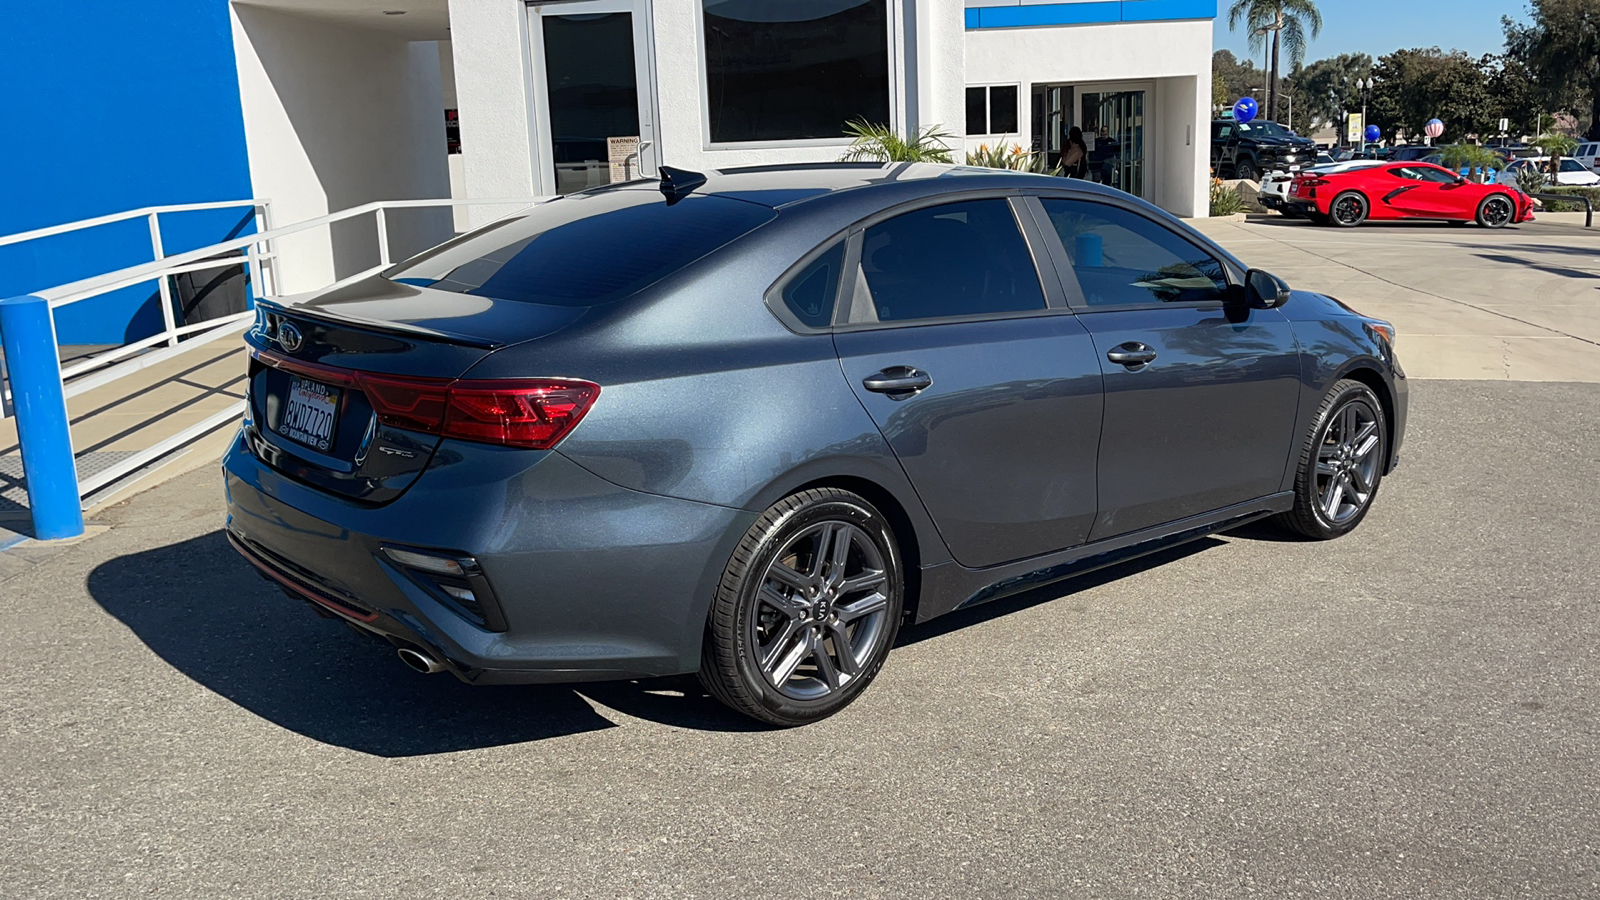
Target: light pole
1365, 87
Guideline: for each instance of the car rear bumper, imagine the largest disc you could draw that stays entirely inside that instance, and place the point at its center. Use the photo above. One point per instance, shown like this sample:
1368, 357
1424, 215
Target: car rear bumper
593, 581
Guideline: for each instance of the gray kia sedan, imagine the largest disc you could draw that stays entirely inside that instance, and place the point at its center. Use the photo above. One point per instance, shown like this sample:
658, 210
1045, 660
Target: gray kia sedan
747, 423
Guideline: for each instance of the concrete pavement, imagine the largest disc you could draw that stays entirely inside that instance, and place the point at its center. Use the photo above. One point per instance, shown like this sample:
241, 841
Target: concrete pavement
1520, 304
1405, 712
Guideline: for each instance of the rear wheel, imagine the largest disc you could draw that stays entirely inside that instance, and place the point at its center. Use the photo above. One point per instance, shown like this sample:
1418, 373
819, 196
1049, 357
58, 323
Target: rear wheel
1496, 211
1349, 209
807, 609
1341, 464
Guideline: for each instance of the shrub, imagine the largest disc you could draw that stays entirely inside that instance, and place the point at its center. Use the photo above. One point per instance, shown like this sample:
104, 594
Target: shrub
884, 144
1225, 201
1531, 180
1593, 193
1010, 156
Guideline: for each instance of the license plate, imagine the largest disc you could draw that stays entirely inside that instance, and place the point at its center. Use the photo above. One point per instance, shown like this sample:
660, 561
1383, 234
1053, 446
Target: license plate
309, 413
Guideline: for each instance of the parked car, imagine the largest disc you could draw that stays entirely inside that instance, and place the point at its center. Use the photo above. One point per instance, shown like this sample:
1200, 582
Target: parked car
1571, 174
1325, 158
1589, 156
1410, 152
747, 423
1275, 187
1248, 149
1415, 190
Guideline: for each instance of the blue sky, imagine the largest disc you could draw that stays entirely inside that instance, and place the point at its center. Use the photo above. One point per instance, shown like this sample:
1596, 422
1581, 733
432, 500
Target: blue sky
1380, 26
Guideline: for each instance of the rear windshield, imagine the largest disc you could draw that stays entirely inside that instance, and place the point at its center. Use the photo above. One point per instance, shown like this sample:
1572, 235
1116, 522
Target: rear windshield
584, 249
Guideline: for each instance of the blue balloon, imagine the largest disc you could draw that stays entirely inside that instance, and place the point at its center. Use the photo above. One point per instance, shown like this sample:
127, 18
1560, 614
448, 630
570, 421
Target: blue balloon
1245, 109
1374, 133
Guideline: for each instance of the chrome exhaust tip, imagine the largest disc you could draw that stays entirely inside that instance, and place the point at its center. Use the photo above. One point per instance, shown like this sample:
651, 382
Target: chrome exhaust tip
419, 660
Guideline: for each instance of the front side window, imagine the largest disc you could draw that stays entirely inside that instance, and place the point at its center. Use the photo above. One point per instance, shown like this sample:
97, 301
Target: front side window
1572, 165
959, 259
786, 70
1122, 258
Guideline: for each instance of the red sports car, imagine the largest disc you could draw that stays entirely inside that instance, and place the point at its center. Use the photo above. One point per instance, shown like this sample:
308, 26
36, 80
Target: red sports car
1406, 190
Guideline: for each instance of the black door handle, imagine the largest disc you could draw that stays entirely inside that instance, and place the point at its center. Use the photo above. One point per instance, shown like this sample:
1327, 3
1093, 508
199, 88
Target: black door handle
1132, 354
897, 380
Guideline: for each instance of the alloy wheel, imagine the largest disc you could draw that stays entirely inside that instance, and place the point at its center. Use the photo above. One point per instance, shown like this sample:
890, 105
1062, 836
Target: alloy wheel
821, 611
1348, 209
1496, 211
1348, 462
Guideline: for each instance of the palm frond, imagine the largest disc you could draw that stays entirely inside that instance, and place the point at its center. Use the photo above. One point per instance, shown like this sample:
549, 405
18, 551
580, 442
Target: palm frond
881, 143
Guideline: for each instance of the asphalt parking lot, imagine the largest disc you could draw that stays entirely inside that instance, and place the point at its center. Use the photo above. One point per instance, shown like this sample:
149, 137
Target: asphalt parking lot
1410, 711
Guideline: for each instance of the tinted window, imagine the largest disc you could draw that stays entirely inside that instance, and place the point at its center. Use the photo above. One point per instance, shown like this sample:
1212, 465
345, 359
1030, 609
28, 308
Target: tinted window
809, 294
1572, 165
584, 249
959, 259
977, 110
1121, 257
796, 69
1003, 109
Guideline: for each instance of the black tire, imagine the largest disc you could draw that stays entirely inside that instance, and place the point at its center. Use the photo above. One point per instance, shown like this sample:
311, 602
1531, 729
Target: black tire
1348, 210
1316, 218
1496, 211
744, 610
1320, 511
1245, 170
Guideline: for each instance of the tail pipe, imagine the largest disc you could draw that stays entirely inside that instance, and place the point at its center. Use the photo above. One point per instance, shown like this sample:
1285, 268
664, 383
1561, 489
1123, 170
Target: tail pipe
420, 660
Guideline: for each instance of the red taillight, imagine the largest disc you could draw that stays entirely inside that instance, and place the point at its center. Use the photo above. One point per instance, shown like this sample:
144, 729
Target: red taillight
532, 413
1313, 182
535, 412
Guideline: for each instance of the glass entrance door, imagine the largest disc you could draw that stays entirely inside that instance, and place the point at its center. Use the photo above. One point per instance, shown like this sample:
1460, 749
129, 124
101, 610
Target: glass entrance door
1114, 128
592, 77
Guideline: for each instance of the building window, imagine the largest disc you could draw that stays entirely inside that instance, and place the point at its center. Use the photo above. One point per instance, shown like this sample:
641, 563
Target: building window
992, 109
795, 70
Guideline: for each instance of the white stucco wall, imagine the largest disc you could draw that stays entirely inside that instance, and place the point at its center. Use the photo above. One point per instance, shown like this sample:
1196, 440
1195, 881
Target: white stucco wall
495, 85
1174, 56
336, 117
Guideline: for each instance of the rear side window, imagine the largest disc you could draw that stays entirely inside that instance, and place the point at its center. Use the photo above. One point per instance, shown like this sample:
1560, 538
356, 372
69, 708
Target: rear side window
1123, 258
958, 259
584, 249
810, 293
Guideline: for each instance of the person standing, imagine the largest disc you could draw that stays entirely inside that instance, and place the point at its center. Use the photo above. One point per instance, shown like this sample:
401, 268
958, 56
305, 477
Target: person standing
1075, 158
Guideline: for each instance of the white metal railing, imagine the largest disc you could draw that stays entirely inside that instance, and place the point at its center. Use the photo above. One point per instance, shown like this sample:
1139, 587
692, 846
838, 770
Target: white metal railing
252, 250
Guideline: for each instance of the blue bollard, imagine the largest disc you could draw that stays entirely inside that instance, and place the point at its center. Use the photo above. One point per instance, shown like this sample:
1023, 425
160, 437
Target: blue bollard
29, 333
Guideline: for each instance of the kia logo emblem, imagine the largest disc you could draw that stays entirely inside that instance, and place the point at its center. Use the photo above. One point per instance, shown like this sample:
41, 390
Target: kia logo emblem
289, 337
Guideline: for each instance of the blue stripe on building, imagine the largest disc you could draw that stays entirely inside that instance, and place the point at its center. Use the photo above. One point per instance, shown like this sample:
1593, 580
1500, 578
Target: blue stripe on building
115, 106
1093, 12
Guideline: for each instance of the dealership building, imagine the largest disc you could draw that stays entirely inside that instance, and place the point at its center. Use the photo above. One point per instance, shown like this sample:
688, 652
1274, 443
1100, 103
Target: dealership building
322, 105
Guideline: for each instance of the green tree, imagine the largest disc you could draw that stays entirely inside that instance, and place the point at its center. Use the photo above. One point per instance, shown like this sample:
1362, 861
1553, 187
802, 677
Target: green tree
1419, 84
1291, 24
882, 143
1324, 90
1231, 79
1561, 47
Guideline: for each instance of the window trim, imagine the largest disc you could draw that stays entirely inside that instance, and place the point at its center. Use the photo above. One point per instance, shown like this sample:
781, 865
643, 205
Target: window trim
1073, 289
988, 108
1055, 303
893, 48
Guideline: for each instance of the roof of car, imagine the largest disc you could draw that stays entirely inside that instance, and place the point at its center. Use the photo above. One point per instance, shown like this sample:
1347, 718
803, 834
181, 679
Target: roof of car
781, 186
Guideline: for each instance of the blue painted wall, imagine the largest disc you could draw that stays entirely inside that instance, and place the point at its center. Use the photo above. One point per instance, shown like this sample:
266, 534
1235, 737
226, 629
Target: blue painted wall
1093, 12
113, 106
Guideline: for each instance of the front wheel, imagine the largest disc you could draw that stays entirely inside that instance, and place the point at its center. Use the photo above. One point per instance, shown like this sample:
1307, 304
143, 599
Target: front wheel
1495, 211
1247, 171
807, 609
1341, 464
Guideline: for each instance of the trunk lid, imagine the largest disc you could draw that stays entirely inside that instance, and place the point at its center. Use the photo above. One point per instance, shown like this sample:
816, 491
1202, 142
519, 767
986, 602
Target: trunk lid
310, 415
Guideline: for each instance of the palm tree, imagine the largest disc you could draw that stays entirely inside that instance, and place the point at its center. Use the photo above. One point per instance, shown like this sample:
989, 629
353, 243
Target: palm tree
1288, 21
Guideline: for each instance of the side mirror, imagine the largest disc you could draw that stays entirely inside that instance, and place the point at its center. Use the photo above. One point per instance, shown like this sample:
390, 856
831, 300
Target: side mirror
1264, 290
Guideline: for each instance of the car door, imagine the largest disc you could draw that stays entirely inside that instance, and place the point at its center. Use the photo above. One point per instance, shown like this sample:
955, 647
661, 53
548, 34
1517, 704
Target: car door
1201, 392
1428, 192
986, 386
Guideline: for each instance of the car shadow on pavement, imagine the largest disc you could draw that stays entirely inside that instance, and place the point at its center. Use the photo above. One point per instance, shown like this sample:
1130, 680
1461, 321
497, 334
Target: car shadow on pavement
204, 611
